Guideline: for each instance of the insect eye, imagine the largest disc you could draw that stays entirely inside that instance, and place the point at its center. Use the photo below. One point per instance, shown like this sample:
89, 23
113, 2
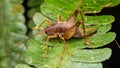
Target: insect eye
46, 32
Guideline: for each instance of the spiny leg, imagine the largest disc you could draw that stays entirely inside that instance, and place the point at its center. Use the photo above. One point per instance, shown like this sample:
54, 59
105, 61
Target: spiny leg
83, 25
88, 43
63, 51
85, 36
62, 55
46, 46
39, 25
65, 45
73, 17
88, 35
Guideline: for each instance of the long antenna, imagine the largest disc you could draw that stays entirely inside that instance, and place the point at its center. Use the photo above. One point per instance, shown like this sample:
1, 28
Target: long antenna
22, 43
28, 39
117, 43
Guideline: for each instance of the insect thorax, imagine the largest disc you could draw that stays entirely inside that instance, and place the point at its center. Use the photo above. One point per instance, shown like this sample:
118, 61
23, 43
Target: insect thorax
57, 28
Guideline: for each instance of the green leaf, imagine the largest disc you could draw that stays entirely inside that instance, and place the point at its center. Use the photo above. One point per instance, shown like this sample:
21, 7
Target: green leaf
96, 41
12, 29
34, 3
76, 54
101, 40
36, 50
114, 3
73, 65
93, 6
38, 18
99, 20
33, 6
22, 66
89, 6
86, 65
94, 55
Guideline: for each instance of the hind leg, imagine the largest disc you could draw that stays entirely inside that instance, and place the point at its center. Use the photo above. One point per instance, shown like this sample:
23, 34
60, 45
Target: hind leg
88, 35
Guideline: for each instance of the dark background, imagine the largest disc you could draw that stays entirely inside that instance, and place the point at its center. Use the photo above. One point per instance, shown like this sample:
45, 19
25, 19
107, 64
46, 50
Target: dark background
114, 60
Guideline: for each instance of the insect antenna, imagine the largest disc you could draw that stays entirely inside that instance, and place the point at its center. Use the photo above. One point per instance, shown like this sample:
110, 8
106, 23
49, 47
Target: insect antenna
25, 42
117, 43
21, 50
28, 39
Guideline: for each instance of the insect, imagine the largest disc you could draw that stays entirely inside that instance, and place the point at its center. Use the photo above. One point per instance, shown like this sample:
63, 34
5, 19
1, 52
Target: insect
64, 30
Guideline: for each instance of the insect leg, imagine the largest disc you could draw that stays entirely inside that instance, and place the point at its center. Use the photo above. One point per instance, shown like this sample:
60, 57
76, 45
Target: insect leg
84, 34
65, 49
88, 43
58, 18
65, 46
88, 35
73, 17
62, 55
46, 46
46, 20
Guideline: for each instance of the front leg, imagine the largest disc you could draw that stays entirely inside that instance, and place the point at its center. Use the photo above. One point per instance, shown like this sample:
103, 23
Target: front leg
63, 51
46, 46
58, 18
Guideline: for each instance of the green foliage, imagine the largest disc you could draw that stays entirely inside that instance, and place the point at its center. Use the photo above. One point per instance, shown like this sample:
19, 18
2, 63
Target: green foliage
12, 31
65, 8
80, 58
33, 6
94, 55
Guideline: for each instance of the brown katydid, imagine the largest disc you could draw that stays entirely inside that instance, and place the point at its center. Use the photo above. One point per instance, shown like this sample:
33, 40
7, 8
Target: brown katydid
65, 30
